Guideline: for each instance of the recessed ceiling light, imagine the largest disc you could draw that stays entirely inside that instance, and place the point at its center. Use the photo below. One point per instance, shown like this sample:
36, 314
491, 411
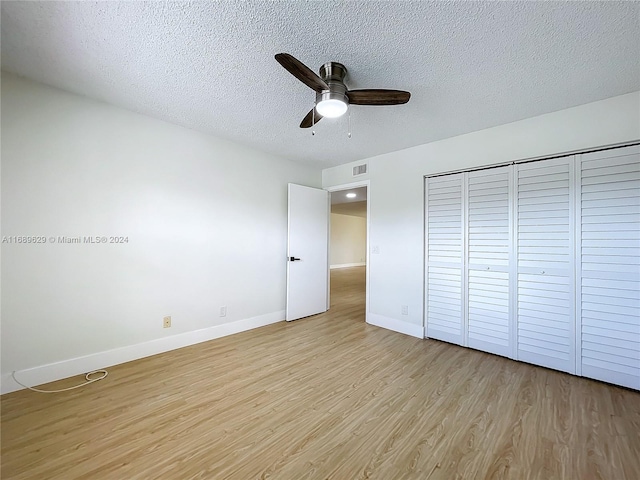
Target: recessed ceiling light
351, 195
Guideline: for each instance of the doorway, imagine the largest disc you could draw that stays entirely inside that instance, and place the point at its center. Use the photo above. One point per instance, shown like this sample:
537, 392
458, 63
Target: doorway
348, 248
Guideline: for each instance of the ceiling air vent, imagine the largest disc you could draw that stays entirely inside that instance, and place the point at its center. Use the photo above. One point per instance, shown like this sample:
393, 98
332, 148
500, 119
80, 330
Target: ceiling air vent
359, 169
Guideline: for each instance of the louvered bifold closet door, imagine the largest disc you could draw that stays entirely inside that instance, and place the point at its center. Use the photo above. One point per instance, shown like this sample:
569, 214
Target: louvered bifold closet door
610, 269
489, 235
545, 264
444, 267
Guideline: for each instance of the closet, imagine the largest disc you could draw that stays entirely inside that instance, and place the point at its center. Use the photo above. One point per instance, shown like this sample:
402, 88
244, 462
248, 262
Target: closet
540, 262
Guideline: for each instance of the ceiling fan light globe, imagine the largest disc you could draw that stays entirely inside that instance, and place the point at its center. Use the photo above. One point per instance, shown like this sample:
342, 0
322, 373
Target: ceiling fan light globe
331, 108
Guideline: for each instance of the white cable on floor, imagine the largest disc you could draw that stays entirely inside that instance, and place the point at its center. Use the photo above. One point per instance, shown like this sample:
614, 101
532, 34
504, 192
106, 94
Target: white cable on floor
87, 376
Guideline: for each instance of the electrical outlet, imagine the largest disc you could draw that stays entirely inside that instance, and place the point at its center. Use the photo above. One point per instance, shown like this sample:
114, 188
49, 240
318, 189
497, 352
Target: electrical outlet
223, 311
405, 309
166, 322
376, 249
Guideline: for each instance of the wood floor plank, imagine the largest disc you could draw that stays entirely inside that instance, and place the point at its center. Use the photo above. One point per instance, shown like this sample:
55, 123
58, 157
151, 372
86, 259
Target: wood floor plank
326, 397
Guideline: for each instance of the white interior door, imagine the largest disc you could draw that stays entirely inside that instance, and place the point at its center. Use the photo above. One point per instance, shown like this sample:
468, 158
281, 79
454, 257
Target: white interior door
488, 260
609, 294
307, 252
445, 254
545, 264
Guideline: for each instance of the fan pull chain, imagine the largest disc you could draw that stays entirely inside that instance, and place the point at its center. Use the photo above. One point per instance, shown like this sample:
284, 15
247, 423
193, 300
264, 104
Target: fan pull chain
313, 120
349, 129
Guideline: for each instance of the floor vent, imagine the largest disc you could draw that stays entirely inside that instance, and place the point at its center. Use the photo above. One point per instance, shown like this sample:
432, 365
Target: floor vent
359, 169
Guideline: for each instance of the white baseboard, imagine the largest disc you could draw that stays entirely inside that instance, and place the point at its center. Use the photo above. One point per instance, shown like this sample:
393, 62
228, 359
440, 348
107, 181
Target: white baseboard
347, 265
76, 366
395, 325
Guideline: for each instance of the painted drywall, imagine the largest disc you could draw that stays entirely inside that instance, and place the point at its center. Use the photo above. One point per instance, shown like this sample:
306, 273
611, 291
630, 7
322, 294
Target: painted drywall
205, 223
348, 245
396, 235
356, 209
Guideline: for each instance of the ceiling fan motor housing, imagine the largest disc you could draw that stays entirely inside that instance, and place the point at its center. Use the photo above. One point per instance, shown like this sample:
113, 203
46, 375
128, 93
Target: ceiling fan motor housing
333, 74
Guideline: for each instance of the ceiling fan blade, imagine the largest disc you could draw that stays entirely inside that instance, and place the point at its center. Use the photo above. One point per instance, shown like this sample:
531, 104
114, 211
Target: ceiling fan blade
303, 73
378, 97
309, 120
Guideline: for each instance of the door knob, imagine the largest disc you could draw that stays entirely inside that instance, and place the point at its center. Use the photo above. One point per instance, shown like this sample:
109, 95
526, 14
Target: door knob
293, 259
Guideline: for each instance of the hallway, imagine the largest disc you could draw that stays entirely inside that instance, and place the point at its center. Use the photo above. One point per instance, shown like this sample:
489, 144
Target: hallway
348, 290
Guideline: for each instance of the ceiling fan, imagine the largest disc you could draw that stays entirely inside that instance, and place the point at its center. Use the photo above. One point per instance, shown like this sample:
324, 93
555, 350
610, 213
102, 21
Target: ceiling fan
332, 96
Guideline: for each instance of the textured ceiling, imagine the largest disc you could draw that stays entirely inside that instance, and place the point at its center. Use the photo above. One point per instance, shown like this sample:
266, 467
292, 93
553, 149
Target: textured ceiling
210, 65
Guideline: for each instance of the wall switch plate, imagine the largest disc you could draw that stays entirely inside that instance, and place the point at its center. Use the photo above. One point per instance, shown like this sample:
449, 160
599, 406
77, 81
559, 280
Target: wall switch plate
223, 311
166, 322
405, 309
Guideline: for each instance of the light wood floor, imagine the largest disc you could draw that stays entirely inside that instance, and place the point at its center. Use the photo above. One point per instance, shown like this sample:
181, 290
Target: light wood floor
325, 397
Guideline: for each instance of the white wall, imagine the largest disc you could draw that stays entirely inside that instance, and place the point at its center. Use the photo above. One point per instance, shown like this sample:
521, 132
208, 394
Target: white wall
348, 240
206, 221
396, 190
